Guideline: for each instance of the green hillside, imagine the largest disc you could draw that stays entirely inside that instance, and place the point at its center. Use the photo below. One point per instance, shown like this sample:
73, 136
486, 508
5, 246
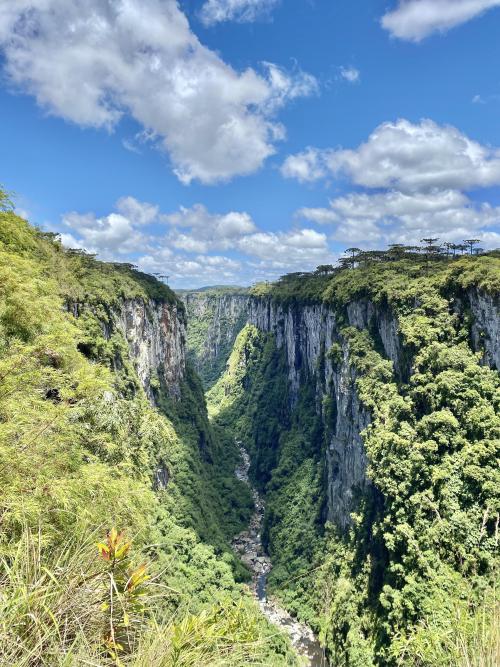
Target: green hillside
79, 447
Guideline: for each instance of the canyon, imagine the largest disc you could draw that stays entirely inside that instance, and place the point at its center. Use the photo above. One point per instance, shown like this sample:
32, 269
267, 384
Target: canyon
308, 469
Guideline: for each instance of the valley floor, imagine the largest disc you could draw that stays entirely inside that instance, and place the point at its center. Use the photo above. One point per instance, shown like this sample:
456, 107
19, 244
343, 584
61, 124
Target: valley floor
248, 544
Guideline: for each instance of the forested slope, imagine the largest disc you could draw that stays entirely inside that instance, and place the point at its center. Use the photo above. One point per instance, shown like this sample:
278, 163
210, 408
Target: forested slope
103, 426
370, 403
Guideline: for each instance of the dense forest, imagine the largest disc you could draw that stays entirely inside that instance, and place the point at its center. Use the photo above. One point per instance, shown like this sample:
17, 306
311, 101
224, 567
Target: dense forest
407, 575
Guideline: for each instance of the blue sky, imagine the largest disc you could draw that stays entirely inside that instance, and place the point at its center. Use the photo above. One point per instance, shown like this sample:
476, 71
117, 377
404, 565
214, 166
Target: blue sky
235, 140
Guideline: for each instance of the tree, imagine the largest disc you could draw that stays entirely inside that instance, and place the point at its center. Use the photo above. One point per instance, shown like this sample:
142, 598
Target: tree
429, 243
353, 251
6, 203
471, 243
346, 262
449, 246
324, 269
350, 261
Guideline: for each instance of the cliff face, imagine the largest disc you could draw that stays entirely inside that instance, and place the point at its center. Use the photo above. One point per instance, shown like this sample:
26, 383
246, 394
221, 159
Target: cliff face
307, 333
215, 318
485, 328
155, 333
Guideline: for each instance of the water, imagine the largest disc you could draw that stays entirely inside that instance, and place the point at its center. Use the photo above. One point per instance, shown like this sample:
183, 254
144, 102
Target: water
249, 546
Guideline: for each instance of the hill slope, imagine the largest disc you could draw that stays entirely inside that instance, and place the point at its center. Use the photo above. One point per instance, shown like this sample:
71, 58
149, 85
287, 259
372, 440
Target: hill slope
102, 425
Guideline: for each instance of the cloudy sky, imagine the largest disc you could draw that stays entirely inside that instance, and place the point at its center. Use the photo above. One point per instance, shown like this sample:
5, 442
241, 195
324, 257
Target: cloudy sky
228, 141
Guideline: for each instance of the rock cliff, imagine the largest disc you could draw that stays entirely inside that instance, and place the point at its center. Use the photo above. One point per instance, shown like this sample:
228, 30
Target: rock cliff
307, 334
155, 333
485, 327
215, 318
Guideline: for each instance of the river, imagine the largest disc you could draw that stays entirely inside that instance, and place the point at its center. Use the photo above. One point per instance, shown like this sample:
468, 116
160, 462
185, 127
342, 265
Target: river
249, 546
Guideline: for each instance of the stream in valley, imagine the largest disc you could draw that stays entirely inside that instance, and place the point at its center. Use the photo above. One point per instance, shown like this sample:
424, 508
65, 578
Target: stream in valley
249, 546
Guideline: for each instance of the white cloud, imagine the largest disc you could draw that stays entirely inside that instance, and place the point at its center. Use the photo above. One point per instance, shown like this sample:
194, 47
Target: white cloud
109, 236
307, 166
303, 248
286, 86
411, 182
140, 57
350, 74
395, 217
140, 213
208, 231
241, 11
416, 19
186, 244
404, 156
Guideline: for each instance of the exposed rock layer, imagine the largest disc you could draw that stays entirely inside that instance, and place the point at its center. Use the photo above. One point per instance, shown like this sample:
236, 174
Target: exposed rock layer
306, 333
155, 332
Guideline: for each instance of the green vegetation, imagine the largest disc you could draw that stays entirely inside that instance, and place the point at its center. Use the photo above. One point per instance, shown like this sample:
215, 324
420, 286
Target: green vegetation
80, 450
212, 328
413, 581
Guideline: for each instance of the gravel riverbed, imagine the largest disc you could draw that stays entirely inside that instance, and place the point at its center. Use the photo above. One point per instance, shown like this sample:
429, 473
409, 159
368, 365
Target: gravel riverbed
248, 544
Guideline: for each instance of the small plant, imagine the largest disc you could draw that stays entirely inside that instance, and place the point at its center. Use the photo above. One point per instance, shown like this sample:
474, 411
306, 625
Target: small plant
124, 602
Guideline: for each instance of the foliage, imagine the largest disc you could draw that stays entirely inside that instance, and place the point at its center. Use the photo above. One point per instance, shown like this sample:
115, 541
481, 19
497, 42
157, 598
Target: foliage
80, 447
412, 582
212, 328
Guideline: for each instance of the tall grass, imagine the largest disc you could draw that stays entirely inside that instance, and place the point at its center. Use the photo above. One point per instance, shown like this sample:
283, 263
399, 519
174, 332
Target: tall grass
54, 611
469, 637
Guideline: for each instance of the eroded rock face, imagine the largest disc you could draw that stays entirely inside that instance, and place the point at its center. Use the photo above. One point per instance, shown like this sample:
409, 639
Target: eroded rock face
307, 333
215, 320
156, 336
485, 329
155, 332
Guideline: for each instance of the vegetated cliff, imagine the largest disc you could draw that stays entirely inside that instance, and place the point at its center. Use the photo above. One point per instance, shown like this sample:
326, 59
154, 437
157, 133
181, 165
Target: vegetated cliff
103, 423
374, 430
215, 316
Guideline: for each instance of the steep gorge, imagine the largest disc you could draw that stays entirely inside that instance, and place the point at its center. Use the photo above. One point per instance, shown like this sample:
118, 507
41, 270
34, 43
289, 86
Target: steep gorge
103, 426
355, 396
368, 401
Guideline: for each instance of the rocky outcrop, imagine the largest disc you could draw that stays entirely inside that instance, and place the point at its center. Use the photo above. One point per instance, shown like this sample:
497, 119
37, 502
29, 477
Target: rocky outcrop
155, 332
485, 327
307, 333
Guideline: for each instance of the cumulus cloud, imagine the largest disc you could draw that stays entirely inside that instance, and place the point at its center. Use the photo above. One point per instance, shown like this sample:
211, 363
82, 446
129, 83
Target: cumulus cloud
350, 74
305, 246
411, 181
307, 166
414, 20
404, 156
207, 230
395, 217
186, 244
140, 57
241, 11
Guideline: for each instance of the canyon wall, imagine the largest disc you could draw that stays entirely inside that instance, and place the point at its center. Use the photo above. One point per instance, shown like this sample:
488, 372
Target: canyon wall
155, 333
215, 319
307, 333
